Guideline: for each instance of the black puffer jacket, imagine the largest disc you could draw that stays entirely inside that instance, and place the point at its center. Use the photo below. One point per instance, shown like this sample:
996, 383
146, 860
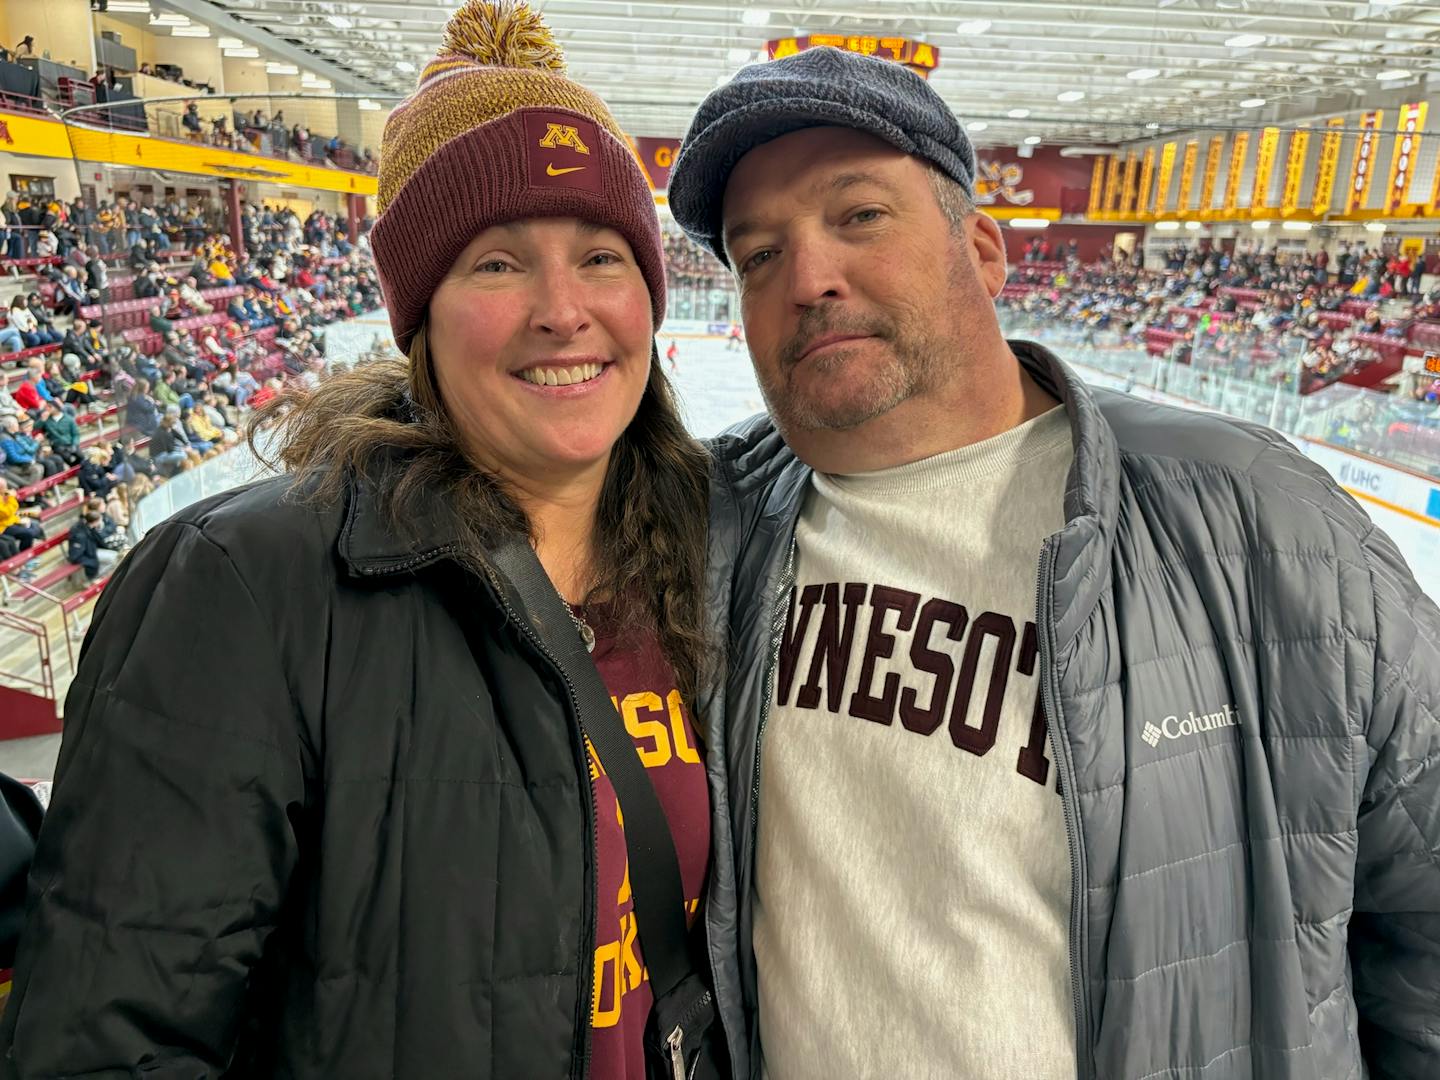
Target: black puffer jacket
321, 811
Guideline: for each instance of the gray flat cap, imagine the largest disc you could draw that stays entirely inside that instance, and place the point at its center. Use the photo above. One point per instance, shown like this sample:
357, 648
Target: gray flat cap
820, 87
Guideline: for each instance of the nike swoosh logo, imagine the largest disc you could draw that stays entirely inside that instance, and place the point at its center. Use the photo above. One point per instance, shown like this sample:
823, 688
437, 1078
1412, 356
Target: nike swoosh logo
551, 170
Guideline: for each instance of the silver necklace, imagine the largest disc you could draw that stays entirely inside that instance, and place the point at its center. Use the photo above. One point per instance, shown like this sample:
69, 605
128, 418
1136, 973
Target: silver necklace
587, 635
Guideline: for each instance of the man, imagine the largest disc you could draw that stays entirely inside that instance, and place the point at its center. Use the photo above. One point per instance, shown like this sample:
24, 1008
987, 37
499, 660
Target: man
1064, 735
79, 344
61, 431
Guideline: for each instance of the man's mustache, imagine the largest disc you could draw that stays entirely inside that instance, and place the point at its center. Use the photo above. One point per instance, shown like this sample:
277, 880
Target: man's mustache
821, 322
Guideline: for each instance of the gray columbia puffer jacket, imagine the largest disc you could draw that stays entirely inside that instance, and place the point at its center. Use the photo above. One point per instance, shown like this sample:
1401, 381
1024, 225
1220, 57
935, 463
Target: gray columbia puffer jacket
1260, 900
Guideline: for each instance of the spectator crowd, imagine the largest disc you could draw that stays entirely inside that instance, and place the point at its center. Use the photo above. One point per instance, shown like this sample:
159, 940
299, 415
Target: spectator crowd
181, 385
1259, 313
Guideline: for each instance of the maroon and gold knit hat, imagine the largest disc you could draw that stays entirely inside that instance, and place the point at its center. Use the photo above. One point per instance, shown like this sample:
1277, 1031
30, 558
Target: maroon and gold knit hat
495, 132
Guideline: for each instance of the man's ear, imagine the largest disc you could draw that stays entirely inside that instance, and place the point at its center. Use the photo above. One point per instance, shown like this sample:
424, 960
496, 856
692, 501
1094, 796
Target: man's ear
987, 247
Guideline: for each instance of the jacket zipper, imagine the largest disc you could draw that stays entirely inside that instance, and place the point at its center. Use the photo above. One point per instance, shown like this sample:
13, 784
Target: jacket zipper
777, 628
587, 955
1065, 765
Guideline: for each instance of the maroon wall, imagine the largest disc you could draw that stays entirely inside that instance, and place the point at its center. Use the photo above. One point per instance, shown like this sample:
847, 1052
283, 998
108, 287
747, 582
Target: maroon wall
1006, 180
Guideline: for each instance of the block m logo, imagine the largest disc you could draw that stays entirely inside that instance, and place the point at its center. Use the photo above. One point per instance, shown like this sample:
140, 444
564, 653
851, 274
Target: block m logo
563, 135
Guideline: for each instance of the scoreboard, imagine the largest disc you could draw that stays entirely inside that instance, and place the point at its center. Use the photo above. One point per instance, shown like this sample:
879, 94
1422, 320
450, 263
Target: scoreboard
919, 56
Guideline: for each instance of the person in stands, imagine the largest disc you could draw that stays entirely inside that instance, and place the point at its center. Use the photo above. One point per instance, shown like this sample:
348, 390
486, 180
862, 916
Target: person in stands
20, 527
86, 544
361, 823
60, 431
31, 332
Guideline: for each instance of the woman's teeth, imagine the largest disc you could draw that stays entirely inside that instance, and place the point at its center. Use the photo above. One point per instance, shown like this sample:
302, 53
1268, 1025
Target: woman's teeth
549, 376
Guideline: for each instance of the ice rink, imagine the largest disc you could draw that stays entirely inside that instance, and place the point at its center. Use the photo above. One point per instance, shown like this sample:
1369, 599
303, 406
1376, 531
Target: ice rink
717, 388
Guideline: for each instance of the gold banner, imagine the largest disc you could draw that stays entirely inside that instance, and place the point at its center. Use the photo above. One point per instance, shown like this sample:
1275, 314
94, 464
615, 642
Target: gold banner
1237, 170
1187, 175
1406, 154
1097, 181
1167, 170
1127, 183
1294, 170
1112, 183
40, 137
1329, 165
1212, 173
1266, 152
1147, 174
1362, 168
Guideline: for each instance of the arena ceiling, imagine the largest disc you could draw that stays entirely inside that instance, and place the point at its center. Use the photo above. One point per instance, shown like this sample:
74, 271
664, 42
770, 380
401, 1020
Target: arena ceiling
1169, 63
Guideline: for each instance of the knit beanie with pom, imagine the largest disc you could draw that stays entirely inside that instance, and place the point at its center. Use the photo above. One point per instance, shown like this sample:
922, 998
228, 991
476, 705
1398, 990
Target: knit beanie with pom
495, 132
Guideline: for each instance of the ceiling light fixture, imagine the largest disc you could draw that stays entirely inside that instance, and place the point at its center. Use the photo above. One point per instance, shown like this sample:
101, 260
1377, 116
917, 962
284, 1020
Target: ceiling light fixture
169, 18
128, 7
230, 43
1259, 226
1141, 74
1392, 75
1153, 125
406, 66
276, 68
755, 17
1375, 226
190, 31
1244, 41
1032, 140
971, 27
1252, 103
1167, 226
247, 52
1070, 95
1193, 226
1296, 226
366, 105
739, 55
977, 125
1018, 114
340, 22
1028, 223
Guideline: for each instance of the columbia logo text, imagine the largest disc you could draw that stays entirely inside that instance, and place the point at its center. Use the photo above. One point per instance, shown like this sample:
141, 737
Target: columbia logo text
1181, 727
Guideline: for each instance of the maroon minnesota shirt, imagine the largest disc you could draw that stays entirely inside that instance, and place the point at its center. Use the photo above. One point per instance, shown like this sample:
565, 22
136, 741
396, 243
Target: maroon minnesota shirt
642, 686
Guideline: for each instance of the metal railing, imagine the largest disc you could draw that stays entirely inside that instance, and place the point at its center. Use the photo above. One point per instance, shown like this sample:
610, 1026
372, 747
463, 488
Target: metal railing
1394, 427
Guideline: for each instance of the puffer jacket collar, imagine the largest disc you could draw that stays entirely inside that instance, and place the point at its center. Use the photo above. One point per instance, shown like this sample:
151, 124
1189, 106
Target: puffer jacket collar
370, 546
1092, 492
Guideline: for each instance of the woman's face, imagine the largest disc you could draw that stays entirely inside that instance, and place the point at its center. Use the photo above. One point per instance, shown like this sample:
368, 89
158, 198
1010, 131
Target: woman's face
540, 338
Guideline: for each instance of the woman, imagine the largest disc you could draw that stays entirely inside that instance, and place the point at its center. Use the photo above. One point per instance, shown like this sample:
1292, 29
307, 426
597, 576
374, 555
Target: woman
23, 320
388, 852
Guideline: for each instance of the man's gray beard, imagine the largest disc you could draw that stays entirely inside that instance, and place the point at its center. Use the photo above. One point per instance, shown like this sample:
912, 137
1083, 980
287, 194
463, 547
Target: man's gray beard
908, 373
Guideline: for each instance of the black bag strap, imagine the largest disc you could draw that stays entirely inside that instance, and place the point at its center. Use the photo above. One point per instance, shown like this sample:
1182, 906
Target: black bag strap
654, 869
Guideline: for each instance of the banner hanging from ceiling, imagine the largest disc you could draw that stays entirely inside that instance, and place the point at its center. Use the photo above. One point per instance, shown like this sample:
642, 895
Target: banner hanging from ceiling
1267, 150
1362, 167
1329, 165
1238, 149
1406, 154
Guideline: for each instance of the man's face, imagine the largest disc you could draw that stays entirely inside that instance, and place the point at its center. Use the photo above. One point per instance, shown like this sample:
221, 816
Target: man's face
856, 293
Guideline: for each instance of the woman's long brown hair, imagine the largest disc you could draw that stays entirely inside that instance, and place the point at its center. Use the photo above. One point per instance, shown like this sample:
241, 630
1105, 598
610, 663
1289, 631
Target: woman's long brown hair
388, 416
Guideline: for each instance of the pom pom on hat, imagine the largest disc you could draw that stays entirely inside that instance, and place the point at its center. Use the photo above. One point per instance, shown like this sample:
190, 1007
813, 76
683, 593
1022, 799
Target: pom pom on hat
502, 33
495, 132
